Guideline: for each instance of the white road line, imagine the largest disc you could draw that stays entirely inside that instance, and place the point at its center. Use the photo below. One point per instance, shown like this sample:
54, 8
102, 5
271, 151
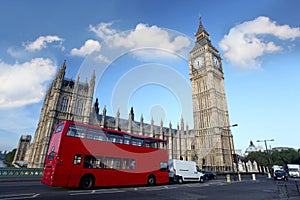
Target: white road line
94, 193
160, 188
18, 196
11, 195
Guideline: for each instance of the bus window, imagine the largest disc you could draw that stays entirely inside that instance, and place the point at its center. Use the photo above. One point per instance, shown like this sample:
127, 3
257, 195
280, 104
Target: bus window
59, 128
151, 143
163, 166
115, 138
132, 164
92, 162
162, 145
125, 164
137, 141
51, 156
95, 134
89, 162
76, 131
127, 139
113, 163
77, 159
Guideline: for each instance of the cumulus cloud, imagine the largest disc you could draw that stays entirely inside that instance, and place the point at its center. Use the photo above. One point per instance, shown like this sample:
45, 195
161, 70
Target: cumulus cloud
103, 30
42, 41
249, 41
142, 37
23, 84
89, 47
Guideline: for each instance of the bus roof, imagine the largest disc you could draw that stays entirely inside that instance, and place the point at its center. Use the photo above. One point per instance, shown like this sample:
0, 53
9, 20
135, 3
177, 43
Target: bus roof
111, 130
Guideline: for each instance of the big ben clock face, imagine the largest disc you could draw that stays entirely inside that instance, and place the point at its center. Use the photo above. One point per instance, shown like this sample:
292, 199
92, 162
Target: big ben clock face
216, 62
198, 62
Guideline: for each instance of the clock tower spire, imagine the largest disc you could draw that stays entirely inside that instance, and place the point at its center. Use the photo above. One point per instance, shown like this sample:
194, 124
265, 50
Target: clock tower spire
213, 144
201, 32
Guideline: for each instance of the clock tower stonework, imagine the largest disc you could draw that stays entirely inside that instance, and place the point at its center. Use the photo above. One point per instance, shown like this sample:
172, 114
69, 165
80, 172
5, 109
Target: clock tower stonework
213, 139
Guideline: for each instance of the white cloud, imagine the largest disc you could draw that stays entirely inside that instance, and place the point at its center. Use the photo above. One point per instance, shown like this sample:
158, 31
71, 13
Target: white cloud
244, 44
142, 37
103, 30
42, 41
25, 83
102, 58
89, 47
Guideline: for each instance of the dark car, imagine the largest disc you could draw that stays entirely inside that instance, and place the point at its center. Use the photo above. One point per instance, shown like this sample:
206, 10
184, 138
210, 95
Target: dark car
209, 175
280, 175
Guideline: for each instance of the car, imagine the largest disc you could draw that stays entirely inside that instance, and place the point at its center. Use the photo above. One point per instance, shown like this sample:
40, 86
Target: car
280, 175
209, 174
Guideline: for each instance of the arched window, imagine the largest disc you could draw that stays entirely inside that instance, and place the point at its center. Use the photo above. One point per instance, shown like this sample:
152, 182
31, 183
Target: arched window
79, 107
64, 104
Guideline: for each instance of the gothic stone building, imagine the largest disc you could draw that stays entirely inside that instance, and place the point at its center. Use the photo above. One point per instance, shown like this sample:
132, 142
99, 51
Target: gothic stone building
209, 144
65, 100
23, 145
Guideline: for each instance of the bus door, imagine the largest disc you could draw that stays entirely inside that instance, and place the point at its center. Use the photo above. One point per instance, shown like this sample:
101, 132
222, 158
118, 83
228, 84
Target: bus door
74, 172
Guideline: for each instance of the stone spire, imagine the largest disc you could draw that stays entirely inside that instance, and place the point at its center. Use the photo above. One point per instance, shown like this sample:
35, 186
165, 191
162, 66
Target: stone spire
118, 120
103, 116
201, 33
60, 75
131, 114
142, 125
152, 127
130, 120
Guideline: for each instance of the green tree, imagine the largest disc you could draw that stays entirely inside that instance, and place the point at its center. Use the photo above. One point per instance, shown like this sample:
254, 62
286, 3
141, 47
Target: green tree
284, 157
8, 159
260, 157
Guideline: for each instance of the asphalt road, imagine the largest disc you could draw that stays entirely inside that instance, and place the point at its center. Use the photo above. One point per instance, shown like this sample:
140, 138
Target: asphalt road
262, 188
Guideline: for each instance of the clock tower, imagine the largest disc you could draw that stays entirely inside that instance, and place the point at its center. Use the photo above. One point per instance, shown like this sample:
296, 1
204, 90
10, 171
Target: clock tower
213, 139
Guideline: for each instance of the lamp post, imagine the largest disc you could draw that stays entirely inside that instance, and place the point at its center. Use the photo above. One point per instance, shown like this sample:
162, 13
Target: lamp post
231, 148
269, 159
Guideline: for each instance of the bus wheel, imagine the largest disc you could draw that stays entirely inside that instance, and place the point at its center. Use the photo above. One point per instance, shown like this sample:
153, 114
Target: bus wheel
87, 182
151, 180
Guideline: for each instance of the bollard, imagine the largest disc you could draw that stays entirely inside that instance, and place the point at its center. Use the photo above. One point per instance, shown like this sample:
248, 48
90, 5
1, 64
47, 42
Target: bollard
240, 177
228, 178
253, 177
269, 175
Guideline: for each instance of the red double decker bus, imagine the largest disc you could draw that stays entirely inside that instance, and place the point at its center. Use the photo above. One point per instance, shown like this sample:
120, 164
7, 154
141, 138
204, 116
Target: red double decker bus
86, 156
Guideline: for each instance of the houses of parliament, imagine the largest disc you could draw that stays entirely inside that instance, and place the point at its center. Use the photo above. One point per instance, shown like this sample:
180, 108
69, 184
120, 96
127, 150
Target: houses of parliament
209, 144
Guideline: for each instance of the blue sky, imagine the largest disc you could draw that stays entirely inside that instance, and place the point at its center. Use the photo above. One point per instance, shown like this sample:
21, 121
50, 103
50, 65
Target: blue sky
139, 50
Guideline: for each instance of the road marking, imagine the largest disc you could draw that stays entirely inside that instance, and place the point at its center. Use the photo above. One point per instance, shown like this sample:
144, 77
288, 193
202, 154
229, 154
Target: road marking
88, 192
18, 196
151, 188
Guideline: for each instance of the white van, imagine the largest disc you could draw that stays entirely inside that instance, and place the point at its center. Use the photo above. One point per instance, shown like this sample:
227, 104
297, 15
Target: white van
294, 170
183, 171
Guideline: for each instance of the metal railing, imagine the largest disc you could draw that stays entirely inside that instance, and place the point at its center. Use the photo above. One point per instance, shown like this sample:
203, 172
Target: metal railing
20, 172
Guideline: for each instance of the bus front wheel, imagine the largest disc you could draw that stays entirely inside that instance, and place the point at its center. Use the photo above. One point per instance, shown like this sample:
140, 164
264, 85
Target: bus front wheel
151, 180
87, 182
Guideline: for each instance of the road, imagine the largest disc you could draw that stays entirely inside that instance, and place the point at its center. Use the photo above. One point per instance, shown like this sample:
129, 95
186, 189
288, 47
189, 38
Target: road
262, 188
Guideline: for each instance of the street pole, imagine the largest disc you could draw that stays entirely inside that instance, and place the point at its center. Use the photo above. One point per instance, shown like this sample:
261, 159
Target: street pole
268, 153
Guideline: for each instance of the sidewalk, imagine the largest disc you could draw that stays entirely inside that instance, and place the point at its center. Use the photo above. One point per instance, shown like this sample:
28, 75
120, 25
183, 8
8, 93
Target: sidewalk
20, 179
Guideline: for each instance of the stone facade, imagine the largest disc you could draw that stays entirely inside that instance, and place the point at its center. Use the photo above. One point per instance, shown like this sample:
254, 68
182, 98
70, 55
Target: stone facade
209, 144
65, 100
23, 145
213, 138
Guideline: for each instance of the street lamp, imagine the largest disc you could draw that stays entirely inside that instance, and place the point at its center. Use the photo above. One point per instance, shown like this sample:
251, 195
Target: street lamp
269, 159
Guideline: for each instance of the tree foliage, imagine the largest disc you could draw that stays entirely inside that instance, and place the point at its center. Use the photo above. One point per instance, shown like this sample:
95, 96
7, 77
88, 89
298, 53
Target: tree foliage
10, 157
275, 157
